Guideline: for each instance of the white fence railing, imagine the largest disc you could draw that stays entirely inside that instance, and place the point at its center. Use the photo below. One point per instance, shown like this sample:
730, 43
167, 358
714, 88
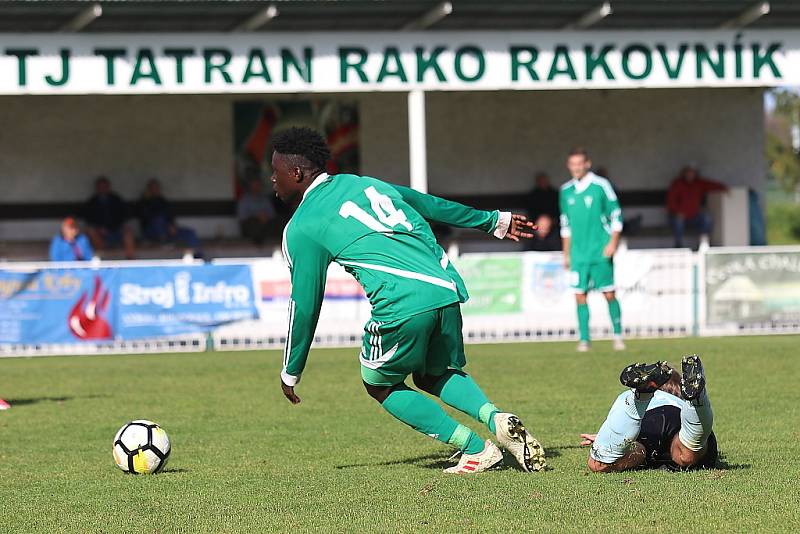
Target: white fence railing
518, 296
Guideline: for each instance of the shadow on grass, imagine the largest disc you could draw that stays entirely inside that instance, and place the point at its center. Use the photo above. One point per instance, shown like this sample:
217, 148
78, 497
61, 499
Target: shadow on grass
724, 465
168, 470
439, 461
37, 400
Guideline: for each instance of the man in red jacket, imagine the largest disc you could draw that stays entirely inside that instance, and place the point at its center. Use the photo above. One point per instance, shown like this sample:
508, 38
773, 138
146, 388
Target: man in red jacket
685, 203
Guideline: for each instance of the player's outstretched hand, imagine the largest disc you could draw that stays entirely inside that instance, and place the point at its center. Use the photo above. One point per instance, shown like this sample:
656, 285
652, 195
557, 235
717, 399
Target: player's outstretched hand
588, 439
520, 227
288, 392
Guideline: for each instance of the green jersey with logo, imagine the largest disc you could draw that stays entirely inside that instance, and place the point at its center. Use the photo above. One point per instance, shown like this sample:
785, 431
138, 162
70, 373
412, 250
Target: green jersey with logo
590, 213
378, 232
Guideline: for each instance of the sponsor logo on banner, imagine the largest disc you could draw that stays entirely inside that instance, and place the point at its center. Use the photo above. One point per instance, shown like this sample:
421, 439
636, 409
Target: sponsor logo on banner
494, 284
281, 290
87, 318
753, 288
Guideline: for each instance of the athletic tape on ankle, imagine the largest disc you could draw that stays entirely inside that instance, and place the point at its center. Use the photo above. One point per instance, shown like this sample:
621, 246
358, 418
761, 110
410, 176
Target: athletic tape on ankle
460, 436
486, 412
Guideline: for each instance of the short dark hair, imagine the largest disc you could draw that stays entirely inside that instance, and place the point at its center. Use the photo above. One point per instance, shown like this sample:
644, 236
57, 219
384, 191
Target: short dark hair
578, 151
304, 142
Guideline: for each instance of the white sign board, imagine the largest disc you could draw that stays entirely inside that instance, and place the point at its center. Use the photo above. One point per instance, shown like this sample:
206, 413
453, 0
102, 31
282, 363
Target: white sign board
350, 62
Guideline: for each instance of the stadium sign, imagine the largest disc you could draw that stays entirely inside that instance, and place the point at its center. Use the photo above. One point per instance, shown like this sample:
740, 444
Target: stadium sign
351, 62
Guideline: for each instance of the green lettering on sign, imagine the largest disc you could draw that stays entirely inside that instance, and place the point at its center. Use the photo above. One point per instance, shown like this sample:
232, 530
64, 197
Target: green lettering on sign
110, 54
561, 54
256, 66
145, 67
430, 62
217, 59
22, 55
593, 62
392, 55
626, 58
288, 59
475, 52
345, 64
65, 54
179, 54
672, 72
516, 62
760, 61
702, 55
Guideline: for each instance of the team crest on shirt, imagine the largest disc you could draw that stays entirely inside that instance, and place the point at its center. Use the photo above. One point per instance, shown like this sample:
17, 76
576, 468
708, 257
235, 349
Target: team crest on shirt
571, 201
587, 201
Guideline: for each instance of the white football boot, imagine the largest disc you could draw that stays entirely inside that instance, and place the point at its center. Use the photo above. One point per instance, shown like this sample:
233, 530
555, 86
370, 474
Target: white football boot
583, 346
618, 344
513, 437
476, 463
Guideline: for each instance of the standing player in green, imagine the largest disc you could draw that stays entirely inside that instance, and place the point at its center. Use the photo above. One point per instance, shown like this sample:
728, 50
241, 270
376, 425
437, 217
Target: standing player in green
378, 232
591, 221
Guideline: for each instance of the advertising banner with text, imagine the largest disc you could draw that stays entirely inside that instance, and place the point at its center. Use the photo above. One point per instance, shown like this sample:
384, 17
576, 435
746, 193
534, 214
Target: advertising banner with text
57, 63
63, 306
753, 288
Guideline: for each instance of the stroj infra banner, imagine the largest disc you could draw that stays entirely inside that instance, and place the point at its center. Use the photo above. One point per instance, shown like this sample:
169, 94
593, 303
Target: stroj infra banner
96, 305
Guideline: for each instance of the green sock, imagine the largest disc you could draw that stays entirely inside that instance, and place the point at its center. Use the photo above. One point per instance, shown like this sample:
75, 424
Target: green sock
616, 315
423, 415
459, 390
583, 321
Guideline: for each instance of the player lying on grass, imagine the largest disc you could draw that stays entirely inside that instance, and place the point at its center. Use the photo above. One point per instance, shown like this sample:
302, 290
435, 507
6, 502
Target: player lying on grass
378, 232
663, 421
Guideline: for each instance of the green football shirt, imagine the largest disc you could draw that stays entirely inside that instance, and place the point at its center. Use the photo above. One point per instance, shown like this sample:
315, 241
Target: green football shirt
590, 213
378, 232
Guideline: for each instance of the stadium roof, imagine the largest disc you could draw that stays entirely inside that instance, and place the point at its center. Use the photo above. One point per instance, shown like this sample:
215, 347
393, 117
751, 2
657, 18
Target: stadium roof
388, 15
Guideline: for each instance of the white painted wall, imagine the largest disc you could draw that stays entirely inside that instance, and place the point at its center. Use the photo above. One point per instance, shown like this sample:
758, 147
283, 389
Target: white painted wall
51, 147
643, 137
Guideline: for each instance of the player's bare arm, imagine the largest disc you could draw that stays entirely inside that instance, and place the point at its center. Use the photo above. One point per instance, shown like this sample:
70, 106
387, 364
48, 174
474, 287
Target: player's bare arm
613, 244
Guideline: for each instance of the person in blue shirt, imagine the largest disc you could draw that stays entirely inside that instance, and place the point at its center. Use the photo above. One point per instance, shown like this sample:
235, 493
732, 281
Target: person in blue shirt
70, 244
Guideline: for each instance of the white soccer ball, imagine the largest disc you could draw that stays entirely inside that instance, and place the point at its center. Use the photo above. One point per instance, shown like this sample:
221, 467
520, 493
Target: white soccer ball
141, 447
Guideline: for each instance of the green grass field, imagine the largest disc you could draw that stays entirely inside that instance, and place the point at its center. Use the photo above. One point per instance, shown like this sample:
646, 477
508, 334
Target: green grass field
245, 460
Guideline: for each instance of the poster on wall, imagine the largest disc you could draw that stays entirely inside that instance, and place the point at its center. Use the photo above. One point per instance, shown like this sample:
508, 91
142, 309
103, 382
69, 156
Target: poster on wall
255, 122
753, 288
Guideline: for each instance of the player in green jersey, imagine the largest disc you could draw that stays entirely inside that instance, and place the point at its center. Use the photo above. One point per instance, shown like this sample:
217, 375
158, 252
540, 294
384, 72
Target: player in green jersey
591, 222
378, 232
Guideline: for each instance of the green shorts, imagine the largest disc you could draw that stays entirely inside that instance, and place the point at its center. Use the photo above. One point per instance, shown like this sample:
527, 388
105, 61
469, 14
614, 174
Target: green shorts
428, 343
599, 276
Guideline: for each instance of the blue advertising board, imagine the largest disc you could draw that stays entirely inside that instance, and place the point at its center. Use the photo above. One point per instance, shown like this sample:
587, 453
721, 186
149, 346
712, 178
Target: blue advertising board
96, 305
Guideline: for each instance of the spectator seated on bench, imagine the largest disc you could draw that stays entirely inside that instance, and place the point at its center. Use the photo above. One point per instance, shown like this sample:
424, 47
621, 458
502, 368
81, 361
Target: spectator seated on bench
69, 244
256, 214
106, 214
158, 221
685, 203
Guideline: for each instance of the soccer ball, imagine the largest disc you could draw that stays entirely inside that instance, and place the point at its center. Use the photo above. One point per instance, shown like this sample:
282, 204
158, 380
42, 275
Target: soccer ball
141, 447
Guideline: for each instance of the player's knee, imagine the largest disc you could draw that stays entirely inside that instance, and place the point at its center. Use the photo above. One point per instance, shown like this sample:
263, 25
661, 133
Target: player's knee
424, 382
379, 393
610, 295
580, 298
